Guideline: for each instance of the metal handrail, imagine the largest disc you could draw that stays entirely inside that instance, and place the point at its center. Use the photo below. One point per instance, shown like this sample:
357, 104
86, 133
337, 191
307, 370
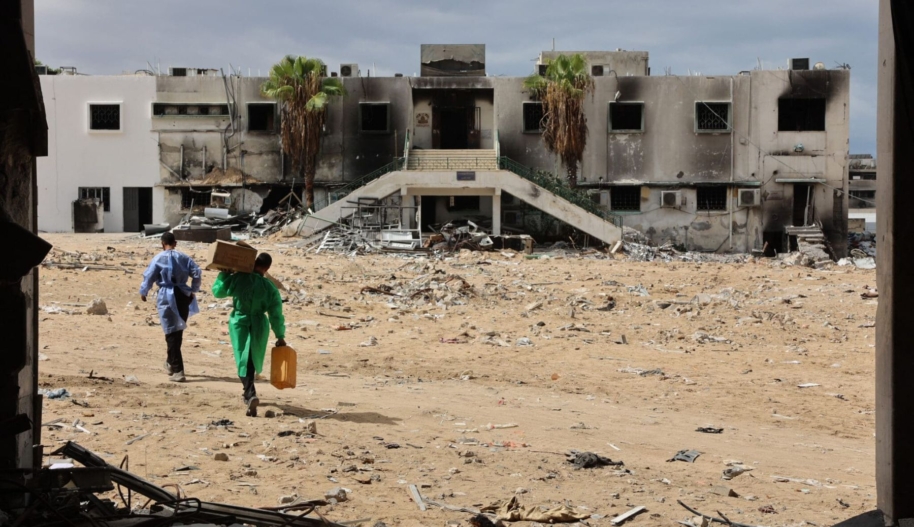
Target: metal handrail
341, 192
557, 186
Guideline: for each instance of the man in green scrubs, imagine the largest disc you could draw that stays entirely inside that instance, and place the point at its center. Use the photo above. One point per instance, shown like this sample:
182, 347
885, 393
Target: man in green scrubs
254, 298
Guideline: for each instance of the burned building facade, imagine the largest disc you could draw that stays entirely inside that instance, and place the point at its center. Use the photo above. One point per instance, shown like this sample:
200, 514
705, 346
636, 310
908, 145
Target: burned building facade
715, 163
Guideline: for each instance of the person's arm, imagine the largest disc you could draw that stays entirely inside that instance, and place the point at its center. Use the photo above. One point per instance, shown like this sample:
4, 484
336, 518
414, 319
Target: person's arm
149, 277
196, 275
277, 320
223, 284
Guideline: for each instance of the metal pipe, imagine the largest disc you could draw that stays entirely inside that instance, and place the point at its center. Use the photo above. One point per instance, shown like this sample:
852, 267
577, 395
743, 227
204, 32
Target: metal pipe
181, 164
732, 161
204, 160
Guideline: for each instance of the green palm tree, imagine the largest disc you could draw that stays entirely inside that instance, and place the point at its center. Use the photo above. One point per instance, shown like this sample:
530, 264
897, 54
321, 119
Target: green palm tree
300, 85
562, 91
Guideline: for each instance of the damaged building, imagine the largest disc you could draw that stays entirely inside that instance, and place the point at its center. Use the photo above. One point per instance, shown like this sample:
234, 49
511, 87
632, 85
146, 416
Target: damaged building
713, 163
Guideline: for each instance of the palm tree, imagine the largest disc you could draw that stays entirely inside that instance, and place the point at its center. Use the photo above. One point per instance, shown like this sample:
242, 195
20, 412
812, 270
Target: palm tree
564, 124
304, 92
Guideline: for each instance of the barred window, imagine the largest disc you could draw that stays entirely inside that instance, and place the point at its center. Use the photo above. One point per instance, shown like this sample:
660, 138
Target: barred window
712, 198
102, 193
625, 198
712, 116
104, 116
195, 197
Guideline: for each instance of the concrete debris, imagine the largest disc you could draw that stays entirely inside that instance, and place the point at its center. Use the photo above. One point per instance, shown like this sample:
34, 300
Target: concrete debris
97, 307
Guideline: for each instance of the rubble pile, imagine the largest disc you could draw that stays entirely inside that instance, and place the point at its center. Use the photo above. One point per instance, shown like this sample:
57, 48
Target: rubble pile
243, 226
861, 244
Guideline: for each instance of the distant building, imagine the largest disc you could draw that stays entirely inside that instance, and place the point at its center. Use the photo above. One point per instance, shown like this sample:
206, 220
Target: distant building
715, 163
862, 192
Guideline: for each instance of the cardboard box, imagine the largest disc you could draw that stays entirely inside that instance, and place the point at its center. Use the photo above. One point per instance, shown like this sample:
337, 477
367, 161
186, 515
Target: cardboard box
225, 256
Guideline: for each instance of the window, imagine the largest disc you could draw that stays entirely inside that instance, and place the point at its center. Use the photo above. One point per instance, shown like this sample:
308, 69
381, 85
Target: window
374, 117
712, 116
463, 203
712, 198
596, 71
862, 199
102, 193
167, 109
261, 117
104, 117
801, 115
625, 198
626, 117
533, 117
195, 197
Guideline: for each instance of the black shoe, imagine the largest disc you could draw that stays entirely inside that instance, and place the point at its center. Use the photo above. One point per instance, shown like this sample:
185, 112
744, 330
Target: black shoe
252, 406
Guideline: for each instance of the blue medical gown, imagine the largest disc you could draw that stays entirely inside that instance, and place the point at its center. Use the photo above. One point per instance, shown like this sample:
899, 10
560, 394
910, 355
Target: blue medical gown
170, 270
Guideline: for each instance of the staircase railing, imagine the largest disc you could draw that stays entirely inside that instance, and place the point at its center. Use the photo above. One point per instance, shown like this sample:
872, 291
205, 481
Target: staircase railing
341, 192
559, 188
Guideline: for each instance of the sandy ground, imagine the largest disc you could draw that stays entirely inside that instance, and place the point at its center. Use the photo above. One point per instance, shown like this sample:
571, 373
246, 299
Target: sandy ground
439, 375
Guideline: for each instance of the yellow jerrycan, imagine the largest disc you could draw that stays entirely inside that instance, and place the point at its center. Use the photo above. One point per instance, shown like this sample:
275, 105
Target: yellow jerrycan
282, 367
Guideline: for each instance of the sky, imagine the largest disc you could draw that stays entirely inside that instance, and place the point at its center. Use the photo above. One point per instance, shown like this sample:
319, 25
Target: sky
713, 37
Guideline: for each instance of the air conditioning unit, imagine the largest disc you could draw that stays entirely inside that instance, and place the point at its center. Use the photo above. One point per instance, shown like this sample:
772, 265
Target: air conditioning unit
596, 71
41, 69
541, 69
748, 197
323, 70
671, 198
177, 72
349, 70
798, 64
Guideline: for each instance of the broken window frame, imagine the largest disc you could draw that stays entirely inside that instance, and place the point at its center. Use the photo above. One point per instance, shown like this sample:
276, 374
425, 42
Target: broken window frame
707, 105
807, 117
200, 196
625, 198
716, 201
609, 113
271, 119
861, 199
158, 111
539, 126
90, 107
362, 106
102, 193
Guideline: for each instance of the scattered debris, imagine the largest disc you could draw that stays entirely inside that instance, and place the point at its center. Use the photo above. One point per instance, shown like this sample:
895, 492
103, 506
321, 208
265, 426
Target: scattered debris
709, 430
512, 511
220, 456
689, 456
97, 307
622, 518
733, 471
590, 460
414, 493
60, 393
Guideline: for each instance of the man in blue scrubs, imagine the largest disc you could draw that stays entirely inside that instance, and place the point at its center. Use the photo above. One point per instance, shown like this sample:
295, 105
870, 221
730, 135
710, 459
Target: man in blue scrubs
176, 301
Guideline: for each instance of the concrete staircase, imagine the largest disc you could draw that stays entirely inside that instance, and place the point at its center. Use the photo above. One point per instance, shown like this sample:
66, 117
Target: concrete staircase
811, 242
505, 180
452, 160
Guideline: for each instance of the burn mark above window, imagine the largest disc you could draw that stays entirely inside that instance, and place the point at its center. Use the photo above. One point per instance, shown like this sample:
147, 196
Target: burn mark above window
801, 115
712, 116
625, 198
261, 117
99, 193
533, 117
104, 116
712, 198
374, 117
626, 117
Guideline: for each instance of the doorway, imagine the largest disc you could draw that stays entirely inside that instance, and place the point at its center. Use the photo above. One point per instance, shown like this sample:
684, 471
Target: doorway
137, 208
455, 127
428, 213
802, 204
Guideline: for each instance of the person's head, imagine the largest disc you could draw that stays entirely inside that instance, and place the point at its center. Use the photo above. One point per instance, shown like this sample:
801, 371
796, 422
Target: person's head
262, 263
169, 241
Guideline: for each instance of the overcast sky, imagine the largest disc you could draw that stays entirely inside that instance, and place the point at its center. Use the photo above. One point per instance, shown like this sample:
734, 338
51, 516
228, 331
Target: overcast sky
711, 37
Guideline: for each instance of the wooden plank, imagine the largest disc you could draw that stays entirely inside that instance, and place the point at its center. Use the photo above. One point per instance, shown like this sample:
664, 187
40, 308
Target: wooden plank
414, 493
622, 518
